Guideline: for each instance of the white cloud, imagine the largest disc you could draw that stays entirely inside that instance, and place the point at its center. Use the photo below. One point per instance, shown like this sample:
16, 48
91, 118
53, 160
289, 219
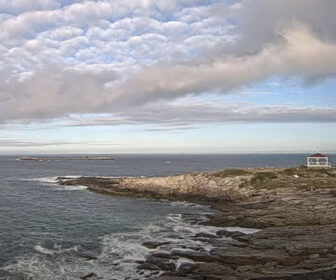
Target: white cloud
62, 33
64, 57
259, 22
20, 6
297, 53
52, 91
193, 114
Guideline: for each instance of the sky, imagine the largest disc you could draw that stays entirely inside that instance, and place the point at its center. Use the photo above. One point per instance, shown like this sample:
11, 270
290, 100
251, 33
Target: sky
167, 76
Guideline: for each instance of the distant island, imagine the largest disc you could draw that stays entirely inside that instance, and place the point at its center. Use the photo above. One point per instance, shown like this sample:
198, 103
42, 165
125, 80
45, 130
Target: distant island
95, 158
290, 213
57, 159
34, 159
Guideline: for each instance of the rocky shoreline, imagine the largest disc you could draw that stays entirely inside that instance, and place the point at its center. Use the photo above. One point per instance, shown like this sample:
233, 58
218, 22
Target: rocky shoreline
294, 208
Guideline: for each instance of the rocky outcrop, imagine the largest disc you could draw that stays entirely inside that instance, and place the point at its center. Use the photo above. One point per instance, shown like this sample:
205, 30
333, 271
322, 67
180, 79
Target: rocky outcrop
94, 158
31, 159
294, 208
273, 253
202, 186
65, 158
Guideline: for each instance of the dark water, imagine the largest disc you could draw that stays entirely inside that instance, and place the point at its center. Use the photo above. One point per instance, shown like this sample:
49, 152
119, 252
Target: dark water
52, 232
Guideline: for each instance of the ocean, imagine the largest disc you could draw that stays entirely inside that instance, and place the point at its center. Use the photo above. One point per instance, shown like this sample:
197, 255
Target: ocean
55, 232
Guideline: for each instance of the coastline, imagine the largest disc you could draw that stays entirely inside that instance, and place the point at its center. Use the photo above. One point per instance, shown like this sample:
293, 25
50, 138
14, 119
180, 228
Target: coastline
293, 207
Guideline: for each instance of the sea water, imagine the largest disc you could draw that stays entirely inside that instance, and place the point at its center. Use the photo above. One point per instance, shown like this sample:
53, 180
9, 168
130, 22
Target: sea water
54, 232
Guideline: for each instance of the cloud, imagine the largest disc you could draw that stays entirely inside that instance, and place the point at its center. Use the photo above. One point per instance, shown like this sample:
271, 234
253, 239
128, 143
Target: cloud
116, 57
298, 52
18, 143
259, 22
23, 143
54, 91
61, 34
20, 6
193, 114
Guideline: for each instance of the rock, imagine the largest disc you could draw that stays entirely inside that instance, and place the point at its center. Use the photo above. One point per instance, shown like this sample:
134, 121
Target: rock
164, 256
215, 268
195, 256
167, 266
187, 268
154, 244
87, 255
236, 256
170, 278
213, 277
90, 276
232, 234
329, 274
296, 216
163, 264
148, 266
94, 158
31, 159
206, 235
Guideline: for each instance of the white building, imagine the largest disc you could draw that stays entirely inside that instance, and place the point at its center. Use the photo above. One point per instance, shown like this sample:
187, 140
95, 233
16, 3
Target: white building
318, 160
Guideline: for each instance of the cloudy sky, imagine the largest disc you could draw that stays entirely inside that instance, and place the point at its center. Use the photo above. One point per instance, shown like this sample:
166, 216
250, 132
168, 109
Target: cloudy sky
167, 76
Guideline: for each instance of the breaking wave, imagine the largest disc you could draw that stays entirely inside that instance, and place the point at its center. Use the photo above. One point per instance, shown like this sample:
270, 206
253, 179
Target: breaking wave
53, 181
119, 253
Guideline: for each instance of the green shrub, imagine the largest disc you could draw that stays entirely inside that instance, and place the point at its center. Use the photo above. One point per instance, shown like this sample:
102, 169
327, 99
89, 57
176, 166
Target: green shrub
230, 172
290, 171
262, 177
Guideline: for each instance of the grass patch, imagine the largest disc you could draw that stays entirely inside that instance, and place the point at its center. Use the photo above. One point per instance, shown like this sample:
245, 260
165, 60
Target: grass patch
262, 176
262, 179
325, 171
310, 172
290, 171
230, 172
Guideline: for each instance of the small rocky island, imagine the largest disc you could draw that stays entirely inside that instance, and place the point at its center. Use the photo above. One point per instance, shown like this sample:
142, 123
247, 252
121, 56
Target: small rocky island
29, 158
294, 208
35, 159
95, 158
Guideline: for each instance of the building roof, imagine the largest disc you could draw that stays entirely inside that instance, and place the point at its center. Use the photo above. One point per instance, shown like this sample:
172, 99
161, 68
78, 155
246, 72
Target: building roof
317, 155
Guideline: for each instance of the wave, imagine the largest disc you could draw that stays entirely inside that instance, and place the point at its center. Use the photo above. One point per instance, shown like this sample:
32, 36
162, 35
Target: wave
242, 230
188, 204
53, 181
43, 250
72, 188
118, 257
119, 252
45, 180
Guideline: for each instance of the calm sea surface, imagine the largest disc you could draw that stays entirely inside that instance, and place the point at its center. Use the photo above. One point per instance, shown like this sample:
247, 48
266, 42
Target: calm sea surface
53, 232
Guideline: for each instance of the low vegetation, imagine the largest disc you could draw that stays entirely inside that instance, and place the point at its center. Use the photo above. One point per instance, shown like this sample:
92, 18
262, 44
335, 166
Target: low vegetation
262, 180
230, 172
